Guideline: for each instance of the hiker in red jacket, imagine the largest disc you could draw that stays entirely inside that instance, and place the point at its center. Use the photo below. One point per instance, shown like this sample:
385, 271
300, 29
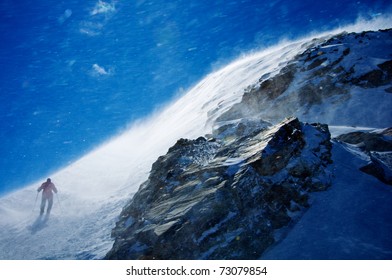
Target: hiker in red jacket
47, 195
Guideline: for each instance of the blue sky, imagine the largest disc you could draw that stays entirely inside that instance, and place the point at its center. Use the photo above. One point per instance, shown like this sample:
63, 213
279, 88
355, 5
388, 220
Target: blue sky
74, 73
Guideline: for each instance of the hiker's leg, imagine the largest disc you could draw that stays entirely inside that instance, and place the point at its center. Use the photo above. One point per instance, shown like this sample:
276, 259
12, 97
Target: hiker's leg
50, 204
43, 202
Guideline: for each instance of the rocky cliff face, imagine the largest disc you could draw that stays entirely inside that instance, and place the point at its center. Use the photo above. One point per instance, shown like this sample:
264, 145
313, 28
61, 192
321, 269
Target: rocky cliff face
235, 192
325, 74
227, 197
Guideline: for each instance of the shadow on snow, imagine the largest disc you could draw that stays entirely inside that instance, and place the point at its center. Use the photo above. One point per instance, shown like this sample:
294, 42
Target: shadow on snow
39, 224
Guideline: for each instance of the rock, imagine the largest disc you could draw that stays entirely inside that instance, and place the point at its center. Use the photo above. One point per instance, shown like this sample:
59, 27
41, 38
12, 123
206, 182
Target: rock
325, 72
369, 141
237, 191
380, 166
378, 146
269, 89
225, 199
376, 78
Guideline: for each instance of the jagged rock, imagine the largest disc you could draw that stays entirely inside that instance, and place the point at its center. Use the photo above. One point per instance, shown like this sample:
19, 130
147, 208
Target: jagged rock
369, 141
380, 166
377, 77
327, 70
225, 198
238, 129
378, 145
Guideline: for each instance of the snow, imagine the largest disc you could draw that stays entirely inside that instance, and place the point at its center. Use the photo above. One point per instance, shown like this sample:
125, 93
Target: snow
351, 220
337, 130
362, 102
93, 190
331, 46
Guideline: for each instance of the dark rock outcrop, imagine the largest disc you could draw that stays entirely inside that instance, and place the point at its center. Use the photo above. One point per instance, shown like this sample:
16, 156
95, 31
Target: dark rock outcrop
378, 146
369, 141
228, 197
380, 166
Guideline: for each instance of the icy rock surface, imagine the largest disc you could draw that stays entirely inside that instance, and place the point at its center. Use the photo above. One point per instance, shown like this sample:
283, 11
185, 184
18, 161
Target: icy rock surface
222, 198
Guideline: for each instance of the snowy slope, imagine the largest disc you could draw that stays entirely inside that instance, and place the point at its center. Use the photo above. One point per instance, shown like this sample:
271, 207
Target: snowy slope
351, 220
93, 190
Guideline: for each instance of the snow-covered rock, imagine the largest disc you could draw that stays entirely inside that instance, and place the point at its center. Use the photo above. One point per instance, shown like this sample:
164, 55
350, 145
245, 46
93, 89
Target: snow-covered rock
337, 80
378, 147
235, 193
219, 199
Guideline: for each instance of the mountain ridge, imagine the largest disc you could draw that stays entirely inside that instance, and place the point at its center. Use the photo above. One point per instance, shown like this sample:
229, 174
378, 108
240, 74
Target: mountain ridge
328, 75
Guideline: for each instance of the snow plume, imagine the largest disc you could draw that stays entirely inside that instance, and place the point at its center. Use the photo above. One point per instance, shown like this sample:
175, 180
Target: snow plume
97, 70
93, 190
102, 7
98, 17
363, 23
344, 101
375, 22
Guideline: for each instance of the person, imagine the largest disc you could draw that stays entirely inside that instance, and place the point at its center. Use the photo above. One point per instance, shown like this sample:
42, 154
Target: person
47, 189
